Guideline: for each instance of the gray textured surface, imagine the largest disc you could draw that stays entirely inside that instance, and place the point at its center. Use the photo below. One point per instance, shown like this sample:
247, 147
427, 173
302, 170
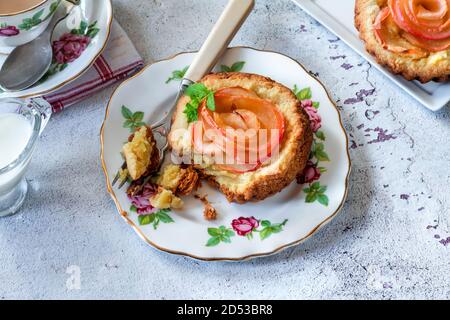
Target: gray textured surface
388, 242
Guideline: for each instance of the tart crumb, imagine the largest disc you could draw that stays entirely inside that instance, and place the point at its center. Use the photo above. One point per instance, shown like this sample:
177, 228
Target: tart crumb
170, 177
165, 199
181, 181
210, 213
189, 181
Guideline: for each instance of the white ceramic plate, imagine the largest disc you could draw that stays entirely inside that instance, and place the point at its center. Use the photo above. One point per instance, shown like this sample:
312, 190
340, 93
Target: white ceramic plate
338, 17
99, 11
284, 219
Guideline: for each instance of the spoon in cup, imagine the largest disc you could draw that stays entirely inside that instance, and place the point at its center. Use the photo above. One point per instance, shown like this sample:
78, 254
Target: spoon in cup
28, 63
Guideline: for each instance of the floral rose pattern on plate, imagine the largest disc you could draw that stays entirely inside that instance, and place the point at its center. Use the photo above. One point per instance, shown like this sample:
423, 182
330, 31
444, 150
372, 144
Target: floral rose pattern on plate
147, 214
156, 218
177, 75
70, 46
313, 171
140, 203
133, 120
236, 67
28, 23
244, 227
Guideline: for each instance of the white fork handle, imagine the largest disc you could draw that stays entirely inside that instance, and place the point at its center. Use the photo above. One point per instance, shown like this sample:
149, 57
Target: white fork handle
220, 37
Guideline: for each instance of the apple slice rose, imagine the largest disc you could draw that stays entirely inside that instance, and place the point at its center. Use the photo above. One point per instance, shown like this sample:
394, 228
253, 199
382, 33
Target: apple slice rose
245, 112
389, 36
212, 145
430, 45
238, 120
426, 19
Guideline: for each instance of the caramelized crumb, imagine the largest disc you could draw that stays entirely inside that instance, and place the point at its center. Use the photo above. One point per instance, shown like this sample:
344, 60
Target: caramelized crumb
210, 213
181, 181
189, 181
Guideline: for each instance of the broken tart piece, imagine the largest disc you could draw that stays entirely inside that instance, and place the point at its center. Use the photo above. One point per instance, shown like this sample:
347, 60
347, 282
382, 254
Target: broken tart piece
163, 190
166, 199
174, 181
142, 158
141, 154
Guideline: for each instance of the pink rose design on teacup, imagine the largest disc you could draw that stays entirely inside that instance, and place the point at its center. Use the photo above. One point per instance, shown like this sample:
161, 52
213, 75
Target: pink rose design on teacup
244, 226
314, 117
9, 31
70, 47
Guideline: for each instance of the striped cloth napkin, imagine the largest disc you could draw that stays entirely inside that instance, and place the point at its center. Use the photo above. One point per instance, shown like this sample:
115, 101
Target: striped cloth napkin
118, 61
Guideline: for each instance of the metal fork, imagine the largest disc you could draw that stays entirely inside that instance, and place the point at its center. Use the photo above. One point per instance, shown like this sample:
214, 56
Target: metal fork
160, 129
231, 20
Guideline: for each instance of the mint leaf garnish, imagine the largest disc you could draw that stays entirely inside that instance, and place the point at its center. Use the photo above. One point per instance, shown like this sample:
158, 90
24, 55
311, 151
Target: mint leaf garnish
198, 92
191, 112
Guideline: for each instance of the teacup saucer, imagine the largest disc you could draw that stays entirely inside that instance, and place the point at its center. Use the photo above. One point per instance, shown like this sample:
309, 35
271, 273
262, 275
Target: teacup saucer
89, 24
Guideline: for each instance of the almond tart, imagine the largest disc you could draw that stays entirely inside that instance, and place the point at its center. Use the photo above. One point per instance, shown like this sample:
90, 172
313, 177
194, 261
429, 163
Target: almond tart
244, 106
411, 37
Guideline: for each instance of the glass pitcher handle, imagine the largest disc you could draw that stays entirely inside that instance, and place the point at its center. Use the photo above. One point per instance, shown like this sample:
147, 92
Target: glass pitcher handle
44, 109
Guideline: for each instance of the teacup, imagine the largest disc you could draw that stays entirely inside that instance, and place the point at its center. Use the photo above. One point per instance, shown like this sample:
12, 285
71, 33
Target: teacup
26, 24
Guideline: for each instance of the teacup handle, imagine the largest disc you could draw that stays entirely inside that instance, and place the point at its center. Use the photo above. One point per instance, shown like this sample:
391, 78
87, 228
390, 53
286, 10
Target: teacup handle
59, 16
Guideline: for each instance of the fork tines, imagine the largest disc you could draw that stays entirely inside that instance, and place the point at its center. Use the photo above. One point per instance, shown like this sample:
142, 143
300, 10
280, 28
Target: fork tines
116, 178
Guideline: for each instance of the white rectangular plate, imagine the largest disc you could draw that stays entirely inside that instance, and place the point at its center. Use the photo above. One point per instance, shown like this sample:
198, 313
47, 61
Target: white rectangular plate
338, 17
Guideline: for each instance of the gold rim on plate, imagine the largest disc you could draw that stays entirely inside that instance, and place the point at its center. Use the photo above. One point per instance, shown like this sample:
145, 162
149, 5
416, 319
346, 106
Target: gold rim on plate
124, 214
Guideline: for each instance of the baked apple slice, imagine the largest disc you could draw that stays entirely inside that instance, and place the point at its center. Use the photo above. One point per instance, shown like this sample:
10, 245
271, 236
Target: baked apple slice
426, 19
238, 125
389, 36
